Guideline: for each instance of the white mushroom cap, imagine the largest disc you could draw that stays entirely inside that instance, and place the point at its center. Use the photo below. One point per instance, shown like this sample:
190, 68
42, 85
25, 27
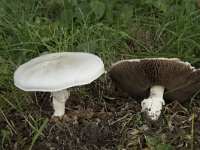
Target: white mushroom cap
58, 71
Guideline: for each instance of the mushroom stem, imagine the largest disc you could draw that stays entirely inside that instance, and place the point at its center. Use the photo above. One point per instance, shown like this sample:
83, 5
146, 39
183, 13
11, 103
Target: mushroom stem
152, 106
59, 99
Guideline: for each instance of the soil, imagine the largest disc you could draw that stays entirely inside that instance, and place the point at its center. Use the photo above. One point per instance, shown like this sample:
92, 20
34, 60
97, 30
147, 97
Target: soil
101, 117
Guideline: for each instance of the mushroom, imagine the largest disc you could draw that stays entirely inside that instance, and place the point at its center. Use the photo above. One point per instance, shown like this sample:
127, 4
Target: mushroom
148, 79
188, 91
56, 73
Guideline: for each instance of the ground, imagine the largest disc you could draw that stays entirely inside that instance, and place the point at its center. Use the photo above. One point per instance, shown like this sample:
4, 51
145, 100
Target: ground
99, 116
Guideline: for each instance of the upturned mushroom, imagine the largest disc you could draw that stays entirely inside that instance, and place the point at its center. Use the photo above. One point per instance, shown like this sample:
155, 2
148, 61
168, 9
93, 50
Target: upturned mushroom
56, 73
187, 91
147, 80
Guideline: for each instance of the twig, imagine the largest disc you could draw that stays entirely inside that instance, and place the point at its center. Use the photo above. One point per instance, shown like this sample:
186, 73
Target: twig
119, 119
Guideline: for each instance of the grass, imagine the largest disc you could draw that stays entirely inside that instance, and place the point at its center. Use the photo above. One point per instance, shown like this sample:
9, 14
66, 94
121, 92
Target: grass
113, 30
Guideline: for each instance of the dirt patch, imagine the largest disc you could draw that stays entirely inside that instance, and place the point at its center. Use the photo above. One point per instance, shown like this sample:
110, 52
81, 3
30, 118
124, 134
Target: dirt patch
99, 117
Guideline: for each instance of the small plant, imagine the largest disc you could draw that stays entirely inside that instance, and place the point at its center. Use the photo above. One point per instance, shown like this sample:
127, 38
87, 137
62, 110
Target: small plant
4, 135
155, 144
